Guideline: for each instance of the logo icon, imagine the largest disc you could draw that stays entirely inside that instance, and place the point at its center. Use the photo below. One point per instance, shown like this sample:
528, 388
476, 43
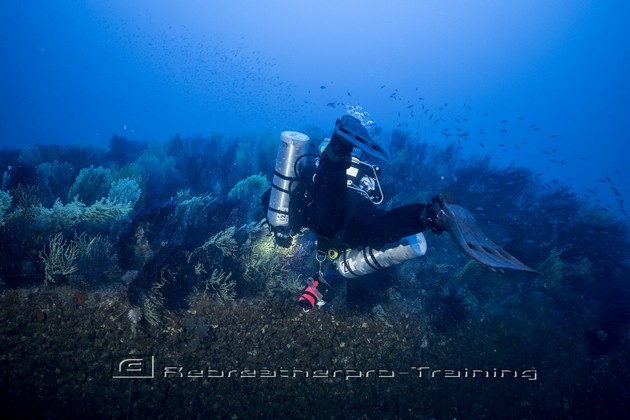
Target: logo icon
136, 367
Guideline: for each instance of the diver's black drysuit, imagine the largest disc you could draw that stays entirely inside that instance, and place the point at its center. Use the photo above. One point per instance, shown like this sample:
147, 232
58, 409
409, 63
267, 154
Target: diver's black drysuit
342, 218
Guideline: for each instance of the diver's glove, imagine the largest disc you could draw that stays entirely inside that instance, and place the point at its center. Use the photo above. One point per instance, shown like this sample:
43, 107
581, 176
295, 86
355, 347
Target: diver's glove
431, 215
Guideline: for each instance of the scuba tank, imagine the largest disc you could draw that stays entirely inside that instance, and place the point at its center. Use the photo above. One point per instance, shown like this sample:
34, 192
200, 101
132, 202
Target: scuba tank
293, 145
358, 262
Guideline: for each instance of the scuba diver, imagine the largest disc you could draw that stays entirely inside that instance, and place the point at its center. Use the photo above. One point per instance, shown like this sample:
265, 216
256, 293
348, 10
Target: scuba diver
335, 195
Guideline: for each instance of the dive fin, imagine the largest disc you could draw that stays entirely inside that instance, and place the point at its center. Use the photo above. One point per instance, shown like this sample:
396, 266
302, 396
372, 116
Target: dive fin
469, 236
351, 130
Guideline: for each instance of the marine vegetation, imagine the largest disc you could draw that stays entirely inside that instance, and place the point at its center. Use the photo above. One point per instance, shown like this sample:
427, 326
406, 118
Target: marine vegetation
175, 233
174, 220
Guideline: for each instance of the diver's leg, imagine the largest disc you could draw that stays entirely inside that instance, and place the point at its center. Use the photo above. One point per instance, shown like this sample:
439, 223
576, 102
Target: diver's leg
329, 207
374, 227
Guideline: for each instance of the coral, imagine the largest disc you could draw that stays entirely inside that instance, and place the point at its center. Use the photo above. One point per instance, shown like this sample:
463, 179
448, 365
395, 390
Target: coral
219, 284
61, 258
472, 269
289, 284
202, 162
66, 217
152, 309
24, 198
224, 241
248, 157
193, 212
91, 257
123, 151
76, 156
103, 211
248, 191
5, 203
413, 271
268, 268
98, 260
55, 180
153, 302
125, 191
60, 216
206, 264
554, 269
20, 240
90, 185
23, 174
160, 176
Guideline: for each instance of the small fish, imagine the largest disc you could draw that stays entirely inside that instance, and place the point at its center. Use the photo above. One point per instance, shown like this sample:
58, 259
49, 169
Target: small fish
322, 87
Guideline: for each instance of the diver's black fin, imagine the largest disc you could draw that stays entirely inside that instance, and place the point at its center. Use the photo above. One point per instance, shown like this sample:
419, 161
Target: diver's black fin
469, 236
351, 130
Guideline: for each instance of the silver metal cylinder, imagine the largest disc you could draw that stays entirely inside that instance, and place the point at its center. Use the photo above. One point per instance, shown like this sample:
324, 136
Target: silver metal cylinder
358, 262
293, 145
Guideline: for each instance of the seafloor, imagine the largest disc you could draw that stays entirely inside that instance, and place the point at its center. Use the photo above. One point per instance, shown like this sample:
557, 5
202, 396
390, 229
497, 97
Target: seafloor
62, 348
120, 269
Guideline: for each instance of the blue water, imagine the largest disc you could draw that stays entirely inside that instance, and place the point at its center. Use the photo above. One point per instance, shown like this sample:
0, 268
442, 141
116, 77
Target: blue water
81, 72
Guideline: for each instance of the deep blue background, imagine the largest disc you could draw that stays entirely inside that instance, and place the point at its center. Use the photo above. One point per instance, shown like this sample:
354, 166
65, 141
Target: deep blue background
521, 78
